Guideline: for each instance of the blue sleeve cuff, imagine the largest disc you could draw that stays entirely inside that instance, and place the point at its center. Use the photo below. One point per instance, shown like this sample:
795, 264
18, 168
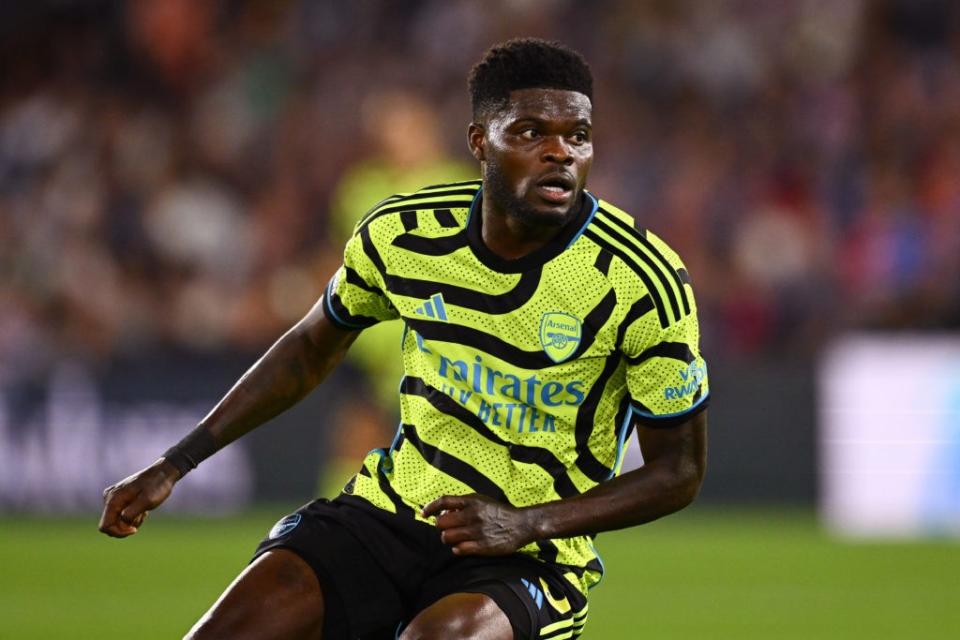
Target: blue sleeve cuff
667, 420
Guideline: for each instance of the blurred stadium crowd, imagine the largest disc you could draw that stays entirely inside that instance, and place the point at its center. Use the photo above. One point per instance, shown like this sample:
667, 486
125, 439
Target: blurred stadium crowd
179, 174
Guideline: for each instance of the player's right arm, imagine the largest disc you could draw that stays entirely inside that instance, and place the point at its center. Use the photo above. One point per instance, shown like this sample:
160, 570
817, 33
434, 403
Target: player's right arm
287, 372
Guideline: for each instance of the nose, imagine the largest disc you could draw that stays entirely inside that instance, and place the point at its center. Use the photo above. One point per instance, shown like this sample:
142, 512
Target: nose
556, 150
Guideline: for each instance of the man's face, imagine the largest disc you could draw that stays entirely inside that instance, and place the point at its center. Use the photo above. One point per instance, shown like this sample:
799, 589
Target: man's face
536, 154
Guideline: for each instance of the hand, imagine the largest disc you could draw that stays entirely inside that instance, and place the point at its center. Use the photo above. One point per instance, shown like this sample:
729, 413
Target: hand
478, 525
125, 504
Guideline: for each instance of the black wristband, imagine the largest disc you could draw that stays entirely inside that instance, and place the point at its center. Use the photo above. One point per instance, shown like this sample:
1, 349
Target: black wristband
197, 446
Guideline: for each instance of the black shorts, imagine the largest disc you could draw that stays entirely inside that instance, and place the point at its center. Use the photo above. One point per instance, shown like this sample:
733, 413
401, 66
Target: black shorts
378, 570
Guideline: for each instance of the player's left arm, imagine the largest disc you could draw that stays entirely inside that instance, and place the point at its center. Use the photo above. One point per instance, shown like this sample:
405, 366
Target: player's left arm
675, 460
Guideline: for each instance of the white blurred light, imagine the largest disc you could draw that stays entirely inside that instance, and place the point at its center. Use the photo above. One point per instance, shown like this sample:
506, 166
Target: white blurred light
890, 436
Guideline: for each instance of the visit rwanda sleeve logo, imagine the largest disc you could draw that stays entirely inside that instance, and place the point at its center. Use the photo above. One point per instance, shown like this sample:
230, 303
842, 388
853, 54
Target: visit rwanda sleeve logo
559, 335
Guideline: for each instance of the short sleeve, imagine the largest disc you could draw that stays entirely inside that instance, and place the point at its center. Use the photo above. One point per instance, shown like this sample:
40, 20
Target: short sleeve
355, 297
666, 375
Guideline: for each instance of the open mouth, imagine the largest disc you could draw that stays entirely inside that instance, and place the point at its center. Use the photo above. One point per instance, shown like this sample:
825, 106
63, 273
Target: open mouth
556, 188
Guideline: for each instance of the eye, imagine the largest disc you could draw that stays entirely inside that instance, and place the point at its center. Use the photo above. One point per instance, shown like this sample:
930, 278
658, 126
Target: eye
581, 137
529, 134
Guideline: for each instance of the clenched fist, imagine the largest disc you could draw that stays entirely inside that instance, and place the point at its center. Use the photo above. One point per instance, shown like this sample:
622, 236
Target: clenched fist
477, 525
126, 504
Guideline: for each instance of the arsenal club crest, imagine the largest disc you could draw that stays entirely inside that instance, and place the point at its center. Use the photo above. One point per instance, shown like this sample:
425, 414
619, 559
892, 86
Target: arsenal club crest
559, 335
285, 526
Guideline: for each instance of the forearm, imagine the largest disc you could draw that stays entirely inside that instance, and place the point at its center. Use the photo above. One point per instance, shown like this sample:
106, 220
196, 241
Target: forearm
636, 497
676, 459
288, 371
283, 376
293, 366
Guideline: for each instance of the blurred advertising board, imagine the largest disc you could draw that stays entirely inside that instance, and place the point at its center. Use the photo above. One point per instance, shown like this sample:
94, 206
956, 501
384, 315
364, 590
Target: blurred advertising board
71, 430
64, 441
889, 436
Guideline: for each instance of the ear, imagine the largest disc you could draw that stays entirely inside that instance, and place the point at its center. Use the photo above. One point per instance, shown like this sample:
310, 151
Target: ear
476, 134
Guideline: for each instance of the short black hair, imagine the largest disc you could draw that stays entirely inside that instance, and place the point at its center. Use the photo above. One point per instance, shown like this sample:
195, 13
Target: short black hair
525, 63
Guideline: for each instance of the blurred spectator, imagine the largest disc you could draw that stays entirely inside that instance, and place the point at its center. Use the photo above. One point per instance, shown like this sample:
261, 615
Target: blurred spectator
406, 154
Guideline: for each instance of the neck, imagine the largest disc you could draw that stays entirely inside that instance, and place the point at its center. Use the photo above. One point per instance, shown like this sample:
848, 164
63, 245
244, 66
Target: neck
511, 237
